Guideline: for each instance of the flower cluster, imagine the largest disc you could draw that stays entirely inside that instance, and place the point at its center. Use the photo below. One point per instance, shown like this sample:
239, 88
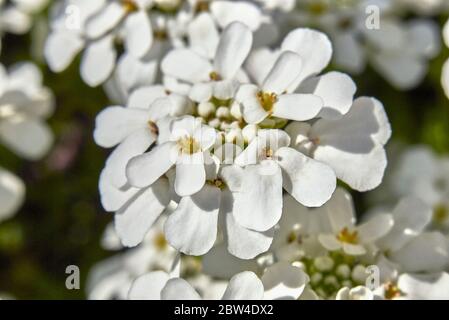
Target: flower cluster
234, 146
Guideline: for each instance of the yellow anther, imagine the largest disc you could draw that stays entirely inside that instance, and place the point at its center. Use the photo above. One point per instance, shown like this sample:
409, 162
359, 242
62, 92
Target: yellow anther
188, 145
392, 291
347, 236
214, 76
267, 100
129, 6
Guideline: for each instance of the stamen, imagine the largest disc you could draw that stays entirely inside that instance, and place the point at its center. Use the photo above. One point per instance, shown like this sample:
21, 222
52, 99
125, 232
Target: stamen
188, 145
130, 6
267, 100
392, 291
348, 237
160, 242
214, 76
153, 127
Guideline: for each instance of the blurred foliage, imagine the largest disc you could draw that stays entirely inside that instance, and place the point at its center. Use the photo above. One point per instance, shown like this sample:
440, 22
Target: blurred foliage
62, 220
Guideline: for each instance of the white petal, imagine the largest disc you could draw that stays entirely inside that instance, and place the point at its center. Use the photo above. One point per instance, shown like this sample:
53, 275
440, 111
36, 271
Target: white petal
226, 12
340, 210
424, 37
144, 170
138, 34
244, 286
243, 243
113, 198
403, 70
98, 61
179, 289
353, 249
134, 145
61, 48
203, 35
233, 48
12, 192
337, 91
143, 97
298, 107
310, 182
186, 65
190, 174
410, 216
148, 286
432, 250
28, 138
285, 70
115, 124
375, 228
105, 20
330, 242
349, 52
192, 228
445, 78
425, 287
283, 281
258, 204
133, 221
313, 47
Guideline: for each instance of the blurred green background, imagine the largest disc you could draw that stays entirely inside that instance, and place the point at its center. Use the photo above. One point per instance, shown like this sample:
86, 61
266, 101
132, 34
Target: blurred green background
62, 220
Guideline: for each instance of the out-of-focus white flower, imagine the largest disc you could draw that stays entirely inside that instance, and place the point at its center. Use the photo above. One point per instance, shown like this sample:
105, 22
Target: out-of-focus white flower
445, 72
112, 278
399, 50
16, 16
420, 173
146, 28
12, 192
24, 106
346, 236
424, 6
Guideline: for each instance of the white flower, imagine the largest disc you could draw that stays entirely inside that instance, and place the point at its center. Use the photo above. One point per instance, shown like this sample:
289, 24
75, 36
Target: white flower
135, 128
424, 287
12, 192
112, 277
409, 238
24, 106
356, 140
16, 16
186, 148
346, 236
190, 67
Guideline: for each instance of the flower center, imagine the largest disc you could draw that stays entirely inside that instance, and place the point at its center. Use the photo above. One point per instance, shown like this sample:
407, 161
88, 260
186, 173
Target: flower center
392, 291
217, 183
440, 214
347, 236
168, 6
188, 145
129, 6
267, 100
267, 153
317, 8
160, 242
214, 76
